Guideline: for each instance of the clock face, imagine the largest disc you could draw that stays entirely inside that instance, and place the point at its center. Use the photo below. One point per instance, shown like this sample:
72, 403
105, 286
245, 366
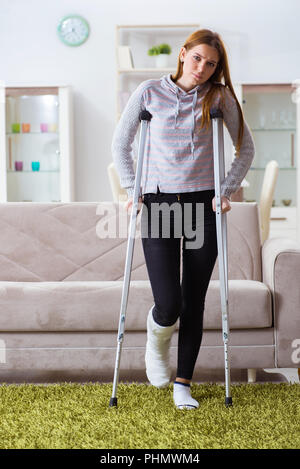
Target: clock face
73, 30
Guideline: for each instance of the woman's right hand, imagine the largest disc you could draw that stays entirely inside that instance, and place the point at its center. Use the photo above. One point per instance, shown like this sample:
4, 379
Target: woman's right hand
128, 204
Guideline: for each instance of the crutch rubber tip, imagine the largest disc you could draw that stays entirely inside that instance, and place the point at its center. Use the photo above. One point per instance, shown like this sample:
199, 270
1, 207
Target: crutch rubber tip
113, 402
228, 401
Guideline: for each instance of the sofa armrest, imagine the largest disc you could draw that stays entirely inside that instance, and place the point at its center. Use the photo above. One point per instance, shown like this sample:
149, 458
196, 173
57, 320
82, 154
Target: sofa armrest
281, 273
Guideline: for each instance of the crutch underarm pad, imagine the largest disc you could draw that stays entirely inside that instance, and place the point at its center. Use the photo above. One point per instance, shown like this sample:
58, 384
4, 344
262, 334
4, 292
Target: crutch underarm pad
145, 115
214, 113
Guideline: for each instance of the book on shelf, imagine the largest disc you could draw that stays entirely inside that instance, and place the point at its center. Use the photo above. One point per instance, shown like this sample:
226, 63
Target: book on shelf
125, 59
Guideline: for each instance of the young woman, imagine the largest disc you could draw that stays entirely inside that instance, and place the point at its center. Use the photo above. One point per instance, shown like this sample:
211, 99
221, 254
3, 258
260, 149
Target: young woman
178, 167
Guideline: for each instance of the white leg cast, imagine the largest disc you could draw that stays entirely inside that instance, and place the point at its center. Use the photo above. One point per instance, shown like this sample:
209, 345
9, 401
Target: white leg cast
159, 337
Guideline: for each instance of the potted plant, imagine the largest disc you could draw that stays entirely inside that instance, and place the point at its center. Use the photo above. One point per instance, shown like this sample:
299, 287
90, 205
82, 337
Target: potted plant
161, 52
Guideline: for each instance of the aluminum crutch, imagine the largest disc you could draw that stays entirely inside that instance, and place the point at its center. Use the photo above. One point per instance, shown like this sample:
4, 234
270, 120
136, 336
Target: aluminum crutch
145, 118
216, 116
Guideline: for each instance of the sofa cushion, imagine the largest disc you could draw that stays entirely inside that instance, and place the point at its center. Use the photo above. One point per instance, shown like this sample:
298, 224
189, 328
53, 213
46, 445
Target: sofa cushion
95, 306
87, 241
249, 305
78, 241
244, 243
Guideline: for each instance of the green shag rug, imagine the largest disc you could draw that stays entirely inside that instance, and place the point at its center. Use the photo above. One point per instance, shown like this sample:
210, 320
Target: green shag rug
78, 416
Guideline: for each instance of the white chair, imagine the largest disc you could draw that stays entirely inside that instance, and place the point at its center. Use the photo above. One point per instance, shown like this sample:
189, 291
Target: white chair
266, 197
117, 191
265, 204
119, 194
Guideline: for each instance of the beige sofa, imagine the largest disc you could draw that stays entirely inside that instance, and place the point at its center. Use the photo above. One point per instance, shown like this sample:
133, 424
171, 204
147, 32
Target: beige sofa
61, 285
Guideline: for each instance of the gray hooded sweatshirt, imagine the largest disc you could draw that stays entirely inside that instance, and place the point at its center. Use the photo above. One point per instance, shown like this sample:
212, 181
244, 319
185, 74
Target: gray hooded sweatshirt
178, 155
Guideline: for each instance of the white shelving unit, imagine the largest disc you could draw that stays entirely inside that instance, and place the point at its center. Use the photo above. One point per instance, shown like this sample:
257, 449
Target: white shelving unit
271, 113
36, 149
283, 223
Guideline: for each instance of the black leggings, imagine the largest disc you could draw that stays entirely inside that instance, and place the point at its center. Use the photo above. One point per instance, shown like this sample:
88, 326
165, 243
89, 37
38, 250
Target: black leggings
162, 254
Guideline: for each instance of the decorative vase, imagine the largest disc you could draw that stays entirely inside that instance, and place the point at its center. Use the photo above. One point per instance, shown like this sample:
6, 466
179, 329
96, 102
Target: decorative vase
161, 61
25, 128
44, 127
15, 128
19, 165
35, 165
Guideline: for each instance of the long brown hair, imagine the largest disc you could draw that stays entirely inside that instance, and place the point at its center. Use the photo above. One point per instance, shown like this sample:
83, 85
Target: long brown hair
205, 36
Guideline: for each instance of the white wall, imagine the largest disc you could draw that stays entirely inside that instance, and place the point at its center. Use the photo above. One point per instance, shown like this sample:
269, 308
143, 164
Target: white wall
267, 50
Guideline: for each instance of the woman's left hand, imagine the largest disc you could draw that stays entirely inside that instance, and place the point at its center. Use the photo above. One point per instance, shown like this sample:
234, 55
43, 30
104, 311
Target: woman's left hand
225, 204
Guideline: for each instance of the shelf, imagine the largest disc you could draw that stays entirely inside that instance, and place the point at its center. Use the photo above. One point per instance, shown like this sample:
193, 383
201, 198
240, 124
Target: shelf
274, 130
30, 133
146, 70
282, 208
293, 168
156, 26
30, 171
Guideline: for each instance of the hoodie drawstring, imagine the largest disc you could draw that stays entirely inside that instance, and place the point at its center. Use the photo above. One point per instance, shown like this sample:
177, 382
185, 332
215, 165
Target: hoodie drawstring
193, 121
177, 108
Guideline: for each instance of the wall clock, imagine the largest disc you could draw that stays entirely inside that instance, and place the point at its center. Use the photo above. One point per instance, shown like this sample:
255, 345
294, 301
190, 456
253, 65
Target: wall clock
73, 30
